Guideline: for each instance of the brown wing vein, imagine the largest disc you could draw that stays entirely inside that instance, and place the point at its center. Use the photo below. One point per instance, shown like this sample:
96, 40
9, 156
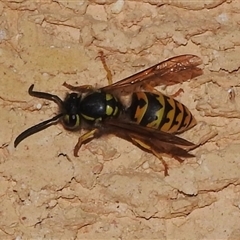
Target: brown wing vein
174, 70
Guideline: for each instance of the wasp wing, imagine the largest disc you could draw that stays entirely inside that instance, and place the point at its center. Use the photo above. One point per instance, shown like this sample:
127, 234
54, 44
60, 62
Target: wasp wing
150, 139
169, 72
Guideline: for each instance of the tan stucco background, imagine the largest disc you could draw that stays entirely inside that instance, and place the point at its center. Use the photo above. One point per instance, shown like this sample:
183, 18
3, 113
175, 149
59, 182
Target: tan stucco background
114, 190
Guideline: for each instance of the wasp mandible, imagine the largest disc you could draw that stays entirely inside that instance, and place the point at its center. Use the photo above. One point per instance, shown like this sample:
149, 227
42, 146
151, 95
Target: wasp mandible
147, 118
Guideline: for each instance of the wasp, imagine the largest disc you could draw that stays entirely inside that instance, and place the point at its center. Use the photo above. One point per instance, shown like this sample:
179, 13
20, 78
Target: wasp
131, 108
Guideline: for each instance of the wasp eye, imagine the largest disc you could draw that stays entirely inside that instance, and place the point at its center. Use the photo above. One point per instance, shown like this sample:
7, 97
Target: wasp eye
71, 122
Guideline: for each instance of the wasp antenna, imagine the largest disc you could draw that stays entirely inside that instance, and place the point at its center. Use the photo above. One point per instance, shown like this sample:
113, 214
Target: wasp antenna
45, 95
37, 128
30, 90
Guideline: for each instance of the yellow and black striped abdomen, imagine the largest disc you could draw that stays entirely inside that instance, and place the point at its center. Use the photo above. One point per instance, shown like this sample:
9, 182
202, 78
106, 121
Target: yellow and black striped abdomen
161, 112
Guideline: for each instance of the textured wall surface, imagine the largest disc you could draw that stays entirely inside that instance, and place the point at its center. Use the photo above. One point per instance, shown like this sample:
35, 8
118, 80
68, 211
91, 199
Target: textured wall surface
114, 190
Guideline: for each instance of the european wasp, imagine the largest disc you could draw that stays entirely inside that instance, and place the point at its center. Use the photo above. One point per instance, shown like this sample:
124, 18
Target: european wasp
131, 109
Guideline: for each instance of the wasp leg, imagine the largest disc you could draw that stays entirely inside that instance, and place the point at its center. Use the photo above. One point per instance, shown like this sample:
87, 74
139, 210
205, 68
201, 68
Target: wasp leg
81, 89
149, 148
177, 93
83, 138
105, 66
163, 162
